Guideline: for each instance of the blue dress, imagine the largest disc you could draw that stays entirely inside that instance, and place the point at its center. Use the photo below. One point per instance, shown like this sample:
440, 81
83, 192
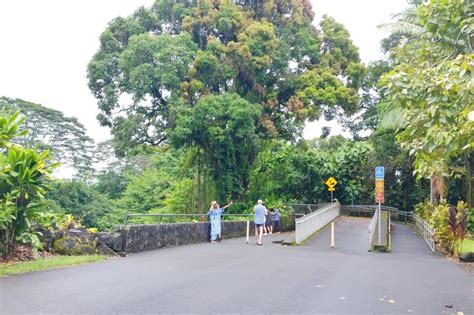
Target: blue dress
215, 219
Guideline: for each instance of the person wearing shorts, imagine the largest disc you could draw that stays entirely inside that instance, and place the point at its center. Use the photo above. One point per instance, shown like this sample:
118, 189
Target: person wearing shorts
269, 222
259, 219
277, 220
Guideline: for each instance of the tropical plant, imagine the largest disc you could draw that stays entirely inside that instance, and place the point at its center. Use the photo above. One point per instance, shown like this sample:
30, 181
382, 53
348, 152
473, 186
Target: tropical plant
453, 226
83, 202
449, 222
49, 129
431, 89
24, 180
10, 127
462, 227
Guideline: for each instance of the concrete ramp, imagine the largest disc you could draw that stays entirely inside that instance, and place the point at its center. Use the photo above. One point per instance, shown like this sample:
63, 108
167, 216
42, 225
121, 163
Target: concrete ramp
350, 234
313, 222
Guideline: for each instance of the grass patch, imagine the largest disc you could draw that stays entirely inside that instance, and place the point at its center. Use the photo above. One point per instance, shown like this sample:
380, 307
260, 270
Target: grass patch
47, 263
467, 246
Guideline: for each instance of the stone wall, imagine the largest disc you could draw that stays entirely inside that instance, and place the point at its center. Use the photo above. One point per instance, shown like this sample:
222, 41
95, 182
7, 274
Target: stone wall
138, 238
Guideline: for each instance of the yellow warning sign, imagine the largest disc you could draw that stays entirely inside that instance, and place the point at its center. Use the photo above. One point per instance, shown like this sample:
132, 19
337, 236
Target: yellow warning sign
331, 182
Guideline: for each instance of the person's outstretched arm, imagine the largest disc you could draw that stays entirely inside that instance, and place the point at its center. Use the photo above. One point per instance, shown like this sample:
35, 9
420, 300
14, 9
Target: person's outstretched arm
230, 203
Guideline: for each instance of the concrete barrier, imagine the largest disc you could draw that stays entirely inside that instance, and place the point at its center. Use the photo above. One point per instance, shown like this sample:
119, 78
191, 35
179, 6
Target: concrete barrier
385, 240
313, 222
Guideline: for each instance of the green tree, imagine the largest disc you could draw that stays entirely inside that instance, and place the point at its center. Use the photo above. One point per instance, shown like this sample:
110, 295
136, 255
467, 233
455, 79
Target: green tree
87, 205
224, 128
157, 68
431, 88
24, 180
372, 101
298, 172
49, 129
186, 50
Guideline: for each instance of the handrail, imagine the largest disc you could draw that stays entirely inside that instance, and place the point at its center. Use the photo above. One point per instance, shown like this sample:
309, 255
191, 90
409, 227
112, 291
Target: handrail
426, 231
190, 215
385, 208
404, 216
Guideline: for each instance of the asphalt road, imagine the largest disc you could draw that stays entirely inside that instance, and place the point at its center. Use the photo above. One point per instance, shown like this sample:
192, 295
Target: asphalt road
233, 277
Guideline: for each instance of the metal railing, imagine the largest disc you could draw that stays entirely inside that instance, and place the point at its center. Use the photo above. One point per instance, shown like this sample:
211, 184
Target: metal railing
309, 224
368, 211
302, 209
426, 231
172, 217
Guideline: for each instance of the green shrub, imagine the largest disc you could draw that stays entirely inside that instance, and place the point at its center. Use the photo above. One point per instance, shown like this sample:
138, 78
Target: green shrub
470, 220
424, 210
439, 218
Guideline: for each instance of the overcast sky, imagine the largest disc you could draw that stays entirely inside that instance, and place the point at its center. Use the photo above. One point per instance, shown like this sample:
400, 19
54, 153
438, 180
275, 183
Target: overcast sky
46, 46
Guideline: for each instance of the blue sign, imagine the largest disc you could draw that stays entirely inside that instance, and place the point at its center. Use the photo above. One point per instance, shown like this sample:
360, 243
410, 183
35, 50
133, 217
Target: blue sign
379, 172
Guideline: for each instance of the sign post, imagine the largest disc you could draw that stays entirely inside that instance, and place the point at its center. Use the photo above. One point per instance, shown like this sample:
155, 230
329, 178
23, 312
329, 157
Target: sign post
379, 196
331, 183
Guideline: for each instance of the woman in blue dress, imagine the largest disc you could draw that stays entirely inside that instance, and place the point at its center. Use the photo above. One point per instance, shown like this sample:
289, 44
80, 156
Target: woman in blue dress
215, 218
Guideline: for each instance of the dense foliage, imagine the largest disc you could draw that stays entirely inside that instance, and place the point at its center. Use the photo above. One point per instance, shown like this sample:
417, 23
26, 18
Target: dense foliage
431, 90
451, 223
65, 137
258, 68
24, 180
207, 99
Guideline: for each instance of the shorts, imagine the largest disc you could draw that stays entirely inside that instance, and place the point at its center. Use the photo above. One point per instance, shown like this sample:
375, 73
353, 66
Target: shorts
258, 225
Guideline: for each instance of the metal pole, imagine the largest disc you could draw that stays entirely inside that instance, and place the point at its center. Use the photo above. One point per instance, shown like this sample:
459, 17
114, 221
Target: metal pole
332, 235
248, 229
331, 196
380, 226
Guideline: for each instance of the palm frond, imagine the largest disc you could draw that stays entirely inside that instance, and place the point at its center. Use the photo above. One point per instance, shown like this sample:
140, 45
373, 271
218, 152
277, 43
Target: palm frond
409, 15
403, 28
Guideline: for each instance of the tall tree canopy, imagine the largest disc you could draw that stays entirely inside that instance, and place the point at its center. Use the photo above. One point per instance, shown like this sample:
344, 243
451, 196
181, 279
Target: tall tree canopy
48, 129
221, 77
224, 128
179, 51
431, 88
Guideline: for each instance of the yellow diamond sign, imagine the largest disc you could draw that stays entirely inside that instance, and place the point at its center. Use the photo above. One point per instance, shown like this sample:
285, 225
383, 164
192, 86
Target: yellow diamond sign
331, 182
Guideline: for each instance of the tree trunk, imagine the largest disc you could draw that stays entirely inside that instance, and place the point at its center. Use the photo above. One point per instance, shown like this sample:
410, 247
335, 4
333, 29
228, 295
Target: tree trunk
438, 184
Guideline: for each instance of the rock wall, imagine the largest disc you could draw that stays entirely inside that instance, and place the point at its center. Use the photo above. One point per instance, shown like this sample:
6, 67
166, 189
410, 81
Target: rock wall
138, 238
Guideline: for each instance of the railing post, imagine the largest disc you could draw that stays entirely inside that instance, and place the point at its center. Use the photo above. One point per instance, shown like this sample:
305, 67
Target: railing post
248, 231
